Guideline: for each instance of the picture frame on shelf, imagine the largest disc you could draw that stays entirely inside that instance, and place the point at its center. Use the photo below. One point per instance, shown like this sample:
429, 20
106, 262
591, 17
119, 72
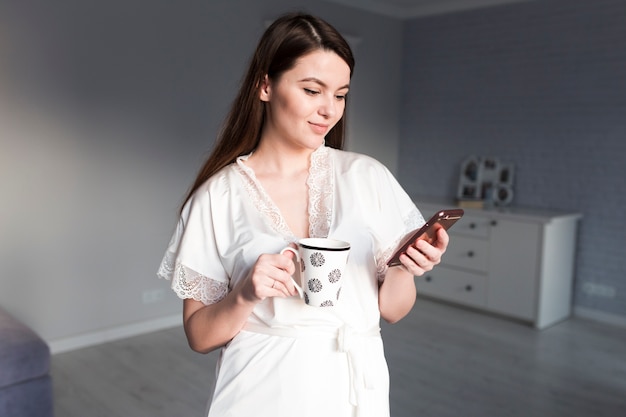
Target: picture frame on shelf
485, 181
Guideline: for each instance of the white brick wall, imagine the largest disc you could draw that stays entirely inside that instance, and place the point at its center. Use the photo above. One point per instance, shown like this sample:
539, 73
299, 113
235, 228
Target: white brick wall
540, 84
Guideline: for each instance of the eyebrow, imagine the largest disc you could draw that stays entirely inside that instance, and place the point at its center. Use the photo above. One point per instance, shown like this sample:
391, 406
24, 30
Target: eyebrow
322, 83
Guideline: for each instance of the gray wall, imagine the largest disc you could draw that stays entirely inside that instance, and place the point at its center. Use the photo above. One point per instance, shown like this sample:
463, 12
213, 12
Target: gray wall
106, 111
539, 84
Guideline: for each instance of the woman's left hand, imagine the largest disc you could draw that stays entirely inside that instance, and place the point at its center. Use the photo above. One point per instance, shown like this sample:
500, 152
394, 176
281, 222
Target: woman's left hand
422, 256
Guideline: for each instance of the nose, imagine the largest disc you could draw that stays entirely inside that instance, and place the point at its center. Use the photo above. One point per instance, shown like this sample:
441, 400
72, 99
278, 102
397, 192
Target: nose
328, 108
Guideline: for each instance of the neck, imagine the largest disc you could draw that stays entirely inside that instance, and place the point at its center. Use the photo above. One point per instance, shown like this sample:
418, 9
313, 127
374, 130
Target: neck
279, 159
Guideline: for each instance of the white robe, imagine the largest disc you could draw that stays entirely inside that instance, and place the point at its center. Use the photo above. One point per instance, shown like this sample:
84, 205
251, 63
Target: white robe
292, 359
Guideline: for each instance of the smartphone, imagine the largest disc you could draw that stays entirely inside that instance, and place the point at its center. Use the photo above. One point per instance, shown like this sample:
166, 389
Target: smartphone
442, 219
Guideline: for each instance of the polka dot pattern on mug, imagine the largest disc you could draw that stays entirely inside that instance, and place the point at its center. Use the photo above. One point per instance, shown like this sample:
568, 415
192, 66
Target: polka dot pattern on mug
317, 259
334, 275
315, 285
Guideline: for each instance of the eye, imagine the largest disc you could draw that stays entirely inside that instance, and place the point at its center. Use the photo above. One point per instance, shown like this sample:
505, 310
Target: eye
340, 97
311, 92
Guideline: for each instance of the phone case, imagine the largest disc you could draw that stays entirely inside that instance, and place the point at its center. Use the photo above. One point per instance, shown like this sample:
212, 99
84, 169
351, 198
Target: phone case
443, 218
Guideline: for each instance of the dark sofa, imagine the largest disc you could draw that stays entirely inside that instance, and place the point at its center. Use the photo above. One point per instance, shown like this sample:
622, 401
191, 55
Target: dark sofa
25, 383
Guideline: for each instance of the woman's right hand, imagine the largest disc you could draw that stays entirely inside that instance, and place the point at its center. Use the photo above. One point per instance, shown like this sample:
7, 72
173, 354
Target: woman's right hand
270, 277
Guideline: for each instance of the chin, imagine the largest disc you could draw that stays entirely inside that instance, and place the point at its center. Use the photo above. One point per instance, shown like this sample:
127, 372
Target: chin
313, 144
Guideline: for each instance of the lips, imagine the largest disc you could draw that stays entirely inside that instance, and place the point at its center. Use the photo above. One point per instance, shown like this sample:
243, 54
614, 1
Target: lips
319, 128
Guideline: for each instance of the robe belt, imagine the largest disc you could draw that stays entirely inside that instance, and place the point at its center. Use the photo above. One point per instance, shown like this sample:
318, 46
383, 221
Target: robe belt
347, 342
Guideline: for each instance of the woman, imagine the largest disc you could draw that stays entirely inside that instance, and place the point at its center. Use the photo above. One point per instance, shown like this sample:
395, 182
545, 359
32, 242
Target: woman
276, 175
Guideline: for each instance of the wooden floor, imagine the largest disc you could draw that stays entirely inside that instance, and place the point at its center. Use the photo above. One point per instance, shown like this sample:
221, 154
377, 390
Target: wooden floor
444, 361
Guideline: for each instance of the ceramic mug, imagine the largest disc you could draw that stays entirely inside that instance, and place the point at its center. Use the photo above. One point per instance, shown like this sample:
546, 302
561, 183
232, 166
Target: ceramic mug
322, 263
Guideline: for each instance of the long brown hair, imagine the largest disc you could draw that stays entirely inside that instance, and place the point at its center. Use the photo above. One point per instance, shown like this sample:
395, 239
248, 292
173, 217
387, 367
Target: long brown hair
290, 37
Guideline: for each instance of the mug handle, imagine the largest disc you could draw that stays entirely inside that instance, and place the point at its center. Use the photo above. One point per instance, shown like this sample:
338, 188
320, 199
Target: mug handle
295, 252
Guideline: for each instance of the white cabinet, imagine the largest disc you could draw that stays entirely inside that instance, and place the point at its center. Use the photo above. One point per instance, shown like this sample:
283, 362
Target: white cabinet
516, 262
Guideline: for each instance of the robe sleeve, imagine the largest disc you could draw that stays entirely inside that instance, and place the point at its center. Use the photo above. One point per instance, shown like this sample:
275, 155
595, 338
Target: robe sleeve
192, 260
397, 216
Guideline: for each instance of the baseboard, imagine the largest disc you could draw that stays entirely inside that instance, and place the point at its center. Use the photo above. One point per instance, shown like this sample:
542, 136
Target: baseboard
135, 329
601, 316
112, 334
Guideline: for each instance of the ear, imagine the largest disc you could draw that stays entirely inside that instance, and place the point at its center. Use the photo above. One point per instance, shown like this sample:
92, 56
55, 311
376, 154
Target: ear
264, 89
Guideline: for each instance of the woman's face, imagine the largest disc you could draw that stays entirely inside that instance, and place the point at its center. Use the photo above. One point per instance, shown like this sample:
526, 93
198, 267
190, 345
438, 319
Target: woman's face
305, 102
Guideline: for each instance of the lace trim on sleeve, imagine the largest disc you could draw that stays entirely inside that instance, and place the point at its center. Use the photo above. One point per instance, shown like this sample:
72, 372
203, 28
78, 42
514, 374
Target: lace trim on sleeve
166, 269
412, 221
188, 283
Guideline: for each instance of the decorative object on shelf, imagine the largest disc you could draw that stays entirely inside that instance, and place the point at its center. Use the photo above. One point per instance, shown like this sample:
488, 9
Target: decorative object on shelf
485, 181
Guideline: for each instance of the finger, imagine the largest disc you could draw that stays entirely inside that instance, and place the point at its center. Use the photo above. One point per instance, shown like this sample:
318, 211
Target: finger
411, 266
287, 278
269, 271
418, 262
433, 250
442, 239
286, 283
277, 266
286, 261
424, 253
281, 289
280, 269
